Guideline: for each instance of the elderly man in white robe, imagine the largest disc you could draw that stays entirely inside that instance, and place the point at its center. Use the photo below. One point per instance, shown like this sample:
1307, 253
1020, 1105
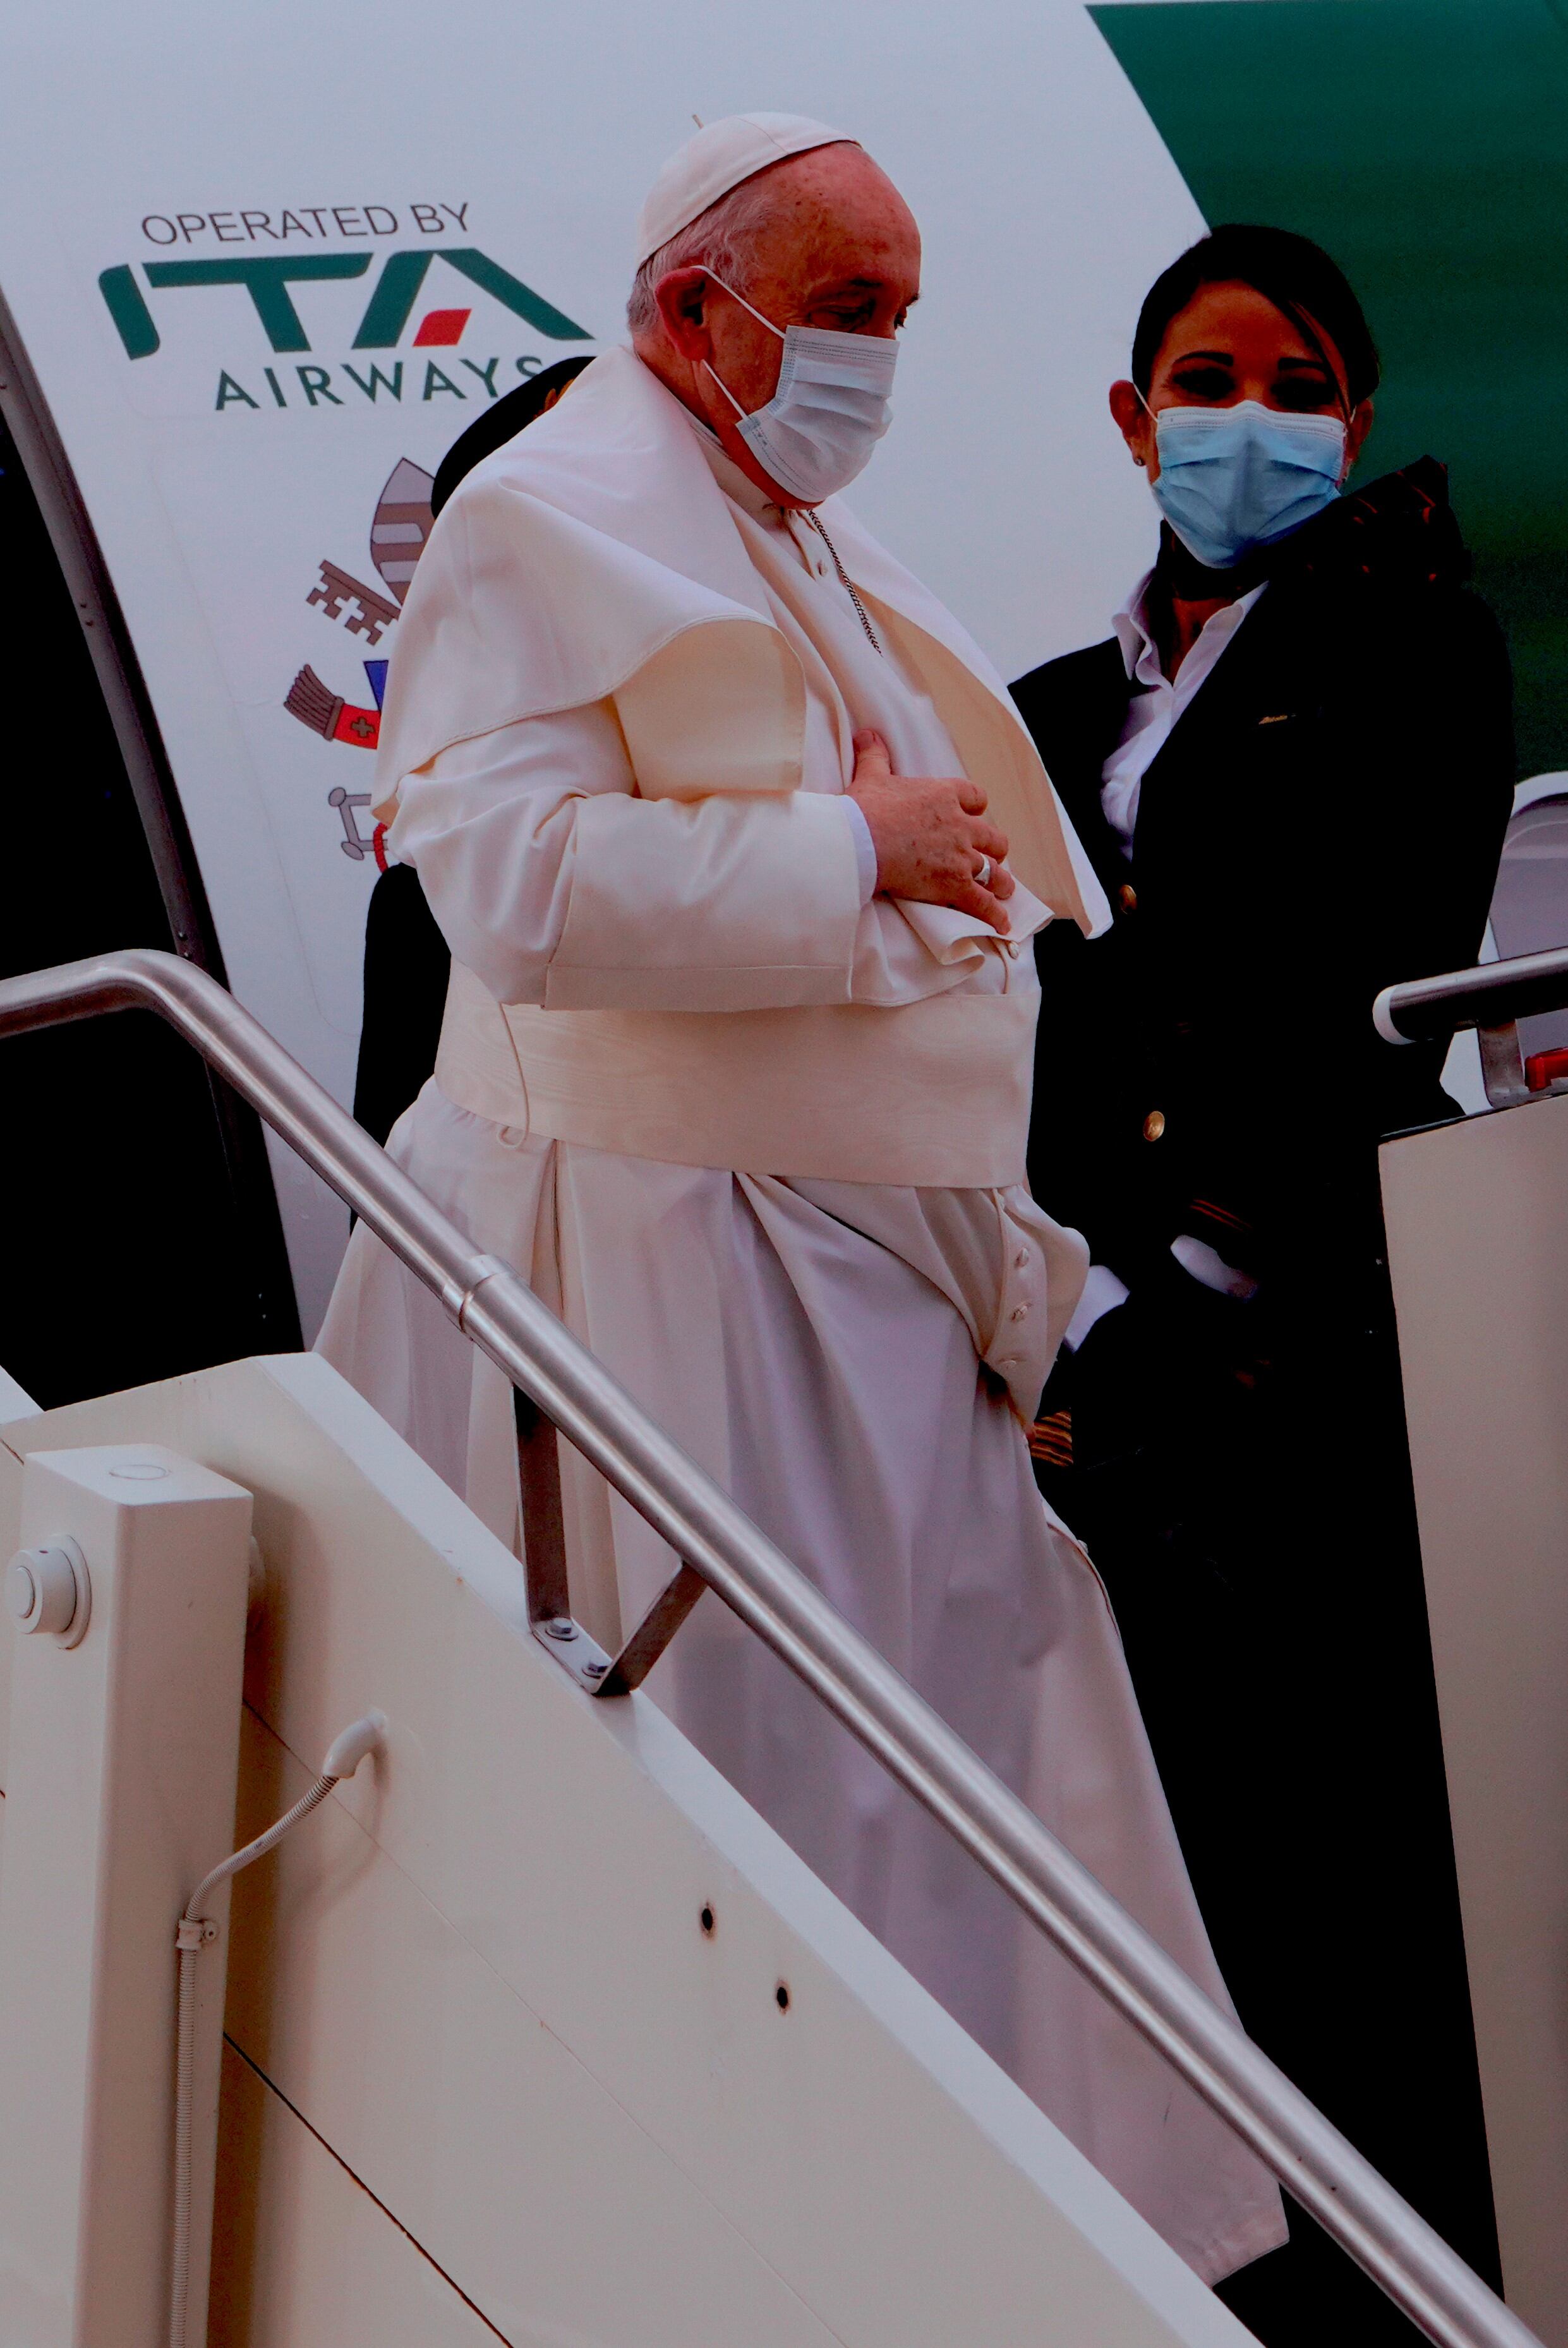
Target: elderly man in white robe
738, 848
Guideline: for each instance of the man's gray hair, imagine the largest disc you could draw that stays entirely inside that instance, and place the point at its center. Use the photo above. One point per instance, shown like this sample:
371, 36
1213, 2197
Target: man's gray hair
719, 239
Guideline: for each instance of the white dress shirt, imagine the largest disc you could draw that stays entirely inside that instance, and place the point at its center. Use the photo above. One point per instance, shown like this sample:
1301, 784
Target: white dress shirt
1151, 716
1155, 708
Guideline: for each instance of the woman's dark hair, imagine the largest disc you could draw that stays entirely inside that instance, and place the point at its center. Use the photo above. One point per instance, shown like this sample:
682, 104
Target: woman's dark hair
1297, 276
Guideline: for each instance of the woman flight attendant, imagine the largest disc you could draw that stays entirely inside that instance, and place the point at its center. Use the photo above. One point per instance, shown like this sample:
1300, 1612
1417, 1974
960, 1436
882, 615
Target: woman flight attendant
1292, 765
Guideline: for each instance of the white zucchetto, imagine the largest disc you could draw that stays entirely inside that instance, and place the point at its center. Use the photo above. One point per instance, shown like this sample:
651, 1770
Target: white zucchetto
720, 155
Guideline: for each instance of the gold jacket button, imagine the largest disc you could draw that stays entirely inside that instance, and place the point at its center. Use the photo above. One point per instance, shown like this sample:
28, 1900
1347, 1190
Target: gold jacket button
1154, 1124
1127, 897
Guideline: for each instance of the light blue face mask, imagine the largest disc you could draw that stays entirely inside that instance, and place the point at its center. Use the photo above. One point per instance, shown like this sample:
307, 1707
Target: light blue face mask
1232, 479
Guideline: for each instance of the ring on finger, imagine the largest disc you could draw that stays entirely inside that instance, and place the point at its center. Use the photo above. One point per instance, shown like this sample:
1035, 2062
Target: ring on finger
983, 873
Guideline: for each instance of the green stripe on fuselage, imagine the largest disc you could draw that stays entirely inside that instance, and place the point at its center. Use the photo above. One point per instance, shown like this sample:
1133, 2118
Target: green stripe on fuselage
1425, 143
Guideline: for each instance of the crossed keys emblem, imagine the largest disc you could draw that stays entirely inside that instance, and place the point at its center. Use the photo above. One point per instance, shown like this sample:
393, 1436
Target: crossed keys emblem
398, 529
369, 613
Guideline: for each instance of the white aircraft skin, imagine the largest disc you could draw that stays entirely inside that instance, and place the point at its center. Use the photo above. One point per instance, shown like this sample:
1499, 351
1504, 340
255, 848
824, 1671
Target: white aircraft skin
221, 473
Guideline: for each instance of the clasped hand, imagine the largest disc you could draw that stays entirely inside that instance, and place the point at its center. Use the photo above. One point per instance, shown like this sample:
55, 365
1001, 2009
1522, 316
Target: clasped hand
931, 837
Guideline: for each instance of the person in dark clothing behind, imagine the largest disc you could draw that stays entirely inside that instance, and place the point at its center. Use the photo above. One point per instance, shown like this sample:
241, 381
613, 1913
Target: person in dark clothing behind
512, 414
1292, 766
406, 959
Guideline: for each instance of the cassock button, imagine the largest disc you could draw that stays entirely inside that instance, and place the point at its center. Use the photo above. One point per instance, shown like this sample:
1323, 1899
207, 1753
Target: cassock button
1127, 897
1154, 1124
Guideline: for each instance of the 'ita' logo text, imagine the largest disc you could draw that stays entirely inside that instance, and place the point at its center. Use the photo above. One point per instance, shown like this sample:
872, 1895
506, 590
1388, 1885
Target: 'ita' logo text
390, 297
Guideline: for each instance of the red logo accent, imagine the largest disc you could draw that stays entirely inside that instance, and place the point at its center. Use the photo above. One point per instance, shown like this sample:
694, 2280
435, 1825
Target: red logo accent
441, 328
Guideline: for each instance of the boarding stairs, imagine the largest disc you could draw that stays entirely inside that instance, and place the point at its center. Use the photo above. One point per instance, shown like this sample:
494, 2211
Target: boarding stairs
532, 2032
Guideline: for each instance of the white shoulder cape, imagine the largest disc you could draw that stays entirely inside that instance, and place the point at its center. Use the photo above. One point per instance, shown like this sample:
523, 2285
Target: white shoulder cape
594, 557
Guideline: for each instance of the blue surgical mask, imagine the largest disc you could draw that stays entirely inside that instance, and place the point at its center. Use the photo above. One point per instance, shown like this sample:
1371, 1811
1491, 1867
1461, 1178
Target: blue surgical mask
1232, 479
832, 406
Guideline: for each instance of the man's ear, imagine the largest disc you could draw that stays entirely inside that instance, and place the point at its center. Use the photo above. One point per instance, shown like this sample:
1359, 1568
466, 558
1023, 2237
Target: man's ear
1133, 421
1355, 431
681, 296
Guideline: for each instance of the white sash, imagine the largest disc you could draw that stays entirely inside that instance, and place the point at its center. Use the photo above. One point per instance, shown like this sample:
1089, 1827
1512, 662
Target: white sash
933, 1094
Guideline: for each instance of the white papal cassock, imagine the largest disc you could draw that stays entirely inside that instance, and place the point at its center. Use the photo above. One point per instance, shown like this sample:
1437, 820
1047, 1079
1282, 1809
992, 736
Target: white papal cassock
757, 1137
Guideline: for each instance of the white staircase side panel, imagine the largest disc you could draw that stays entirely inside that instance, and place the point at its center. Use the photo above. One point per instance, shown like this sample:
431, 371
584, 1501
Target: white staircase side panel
1476, 1214
481, 1978
380, 2021
125, 1743
10, 1519
14, 1404
304, 2256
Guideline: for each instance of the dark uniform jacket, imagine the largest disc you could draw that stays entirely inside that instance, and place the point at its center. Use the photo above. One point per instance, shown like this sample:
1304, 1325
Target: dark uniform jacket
1325, 818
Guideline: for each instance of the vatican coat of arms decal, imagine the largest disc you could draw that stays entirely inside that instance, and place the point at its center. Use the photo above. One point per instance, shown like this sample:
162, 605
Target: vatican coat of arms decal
398, 529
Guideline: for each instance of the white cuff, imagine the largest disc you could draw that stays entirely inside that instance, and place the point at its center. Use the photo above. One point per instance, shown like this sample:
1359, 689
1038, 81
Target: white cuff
1102, 1292
1207, 1265
866, 849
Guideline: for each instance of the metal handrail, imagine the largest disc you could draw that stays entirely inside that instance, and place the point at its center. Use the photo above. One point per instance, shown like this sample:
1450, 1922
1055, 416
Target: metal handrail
494, 1308
1493, 994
